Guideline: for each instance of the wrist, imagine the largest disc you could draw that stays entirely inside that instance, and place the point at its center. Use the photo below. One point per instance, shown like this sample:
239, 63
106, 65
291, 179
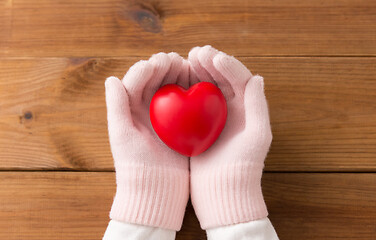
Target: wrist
228, 194
153, 196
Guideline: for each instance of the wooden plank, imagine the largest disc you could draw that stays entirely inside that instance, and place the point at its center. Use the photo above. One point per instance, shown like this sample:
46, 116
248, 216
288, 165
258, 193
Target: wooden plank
75, 205
5, 25
322, 206
53, 115
140, 28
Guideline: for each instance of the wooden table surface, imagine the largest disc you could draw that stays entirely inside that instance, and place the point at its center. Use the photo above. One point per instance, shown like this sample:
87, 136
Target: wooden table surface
318, 60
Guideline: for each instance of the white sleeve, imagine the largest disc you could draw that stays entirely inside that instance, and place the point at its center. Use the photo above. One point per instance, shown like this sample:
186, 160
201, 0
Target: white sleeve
125, 231
255, 230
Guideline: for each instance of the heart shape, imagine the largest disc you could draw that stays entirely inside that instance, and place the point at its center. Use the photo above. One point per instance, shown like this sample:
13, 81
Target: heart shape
188, 121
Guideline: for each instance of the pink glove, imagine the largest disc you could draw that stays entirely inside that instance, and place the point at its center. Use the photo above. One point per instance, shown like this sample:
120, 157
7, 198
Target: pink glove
226, 179
152, 180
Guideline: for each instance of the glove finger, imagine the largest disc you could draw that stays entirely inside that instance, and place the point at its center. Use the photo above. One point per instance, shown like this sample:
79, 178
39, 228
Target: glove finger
183, 78
193, 79
233, 70
135, 80
175, 69
119, 116
161, 63
200, 71
206, 56
257, 123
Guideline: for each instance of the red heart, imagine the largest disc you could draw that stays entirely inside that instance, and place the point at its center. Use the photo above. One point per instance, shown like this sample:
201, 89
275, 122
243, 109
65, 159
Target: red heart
188, 121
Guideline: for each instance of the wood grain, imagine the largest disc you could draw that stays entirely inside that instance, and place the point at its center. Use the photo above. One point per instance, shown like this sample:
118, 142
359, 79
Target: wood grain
318, 61
75, 205
143, 27
53, 116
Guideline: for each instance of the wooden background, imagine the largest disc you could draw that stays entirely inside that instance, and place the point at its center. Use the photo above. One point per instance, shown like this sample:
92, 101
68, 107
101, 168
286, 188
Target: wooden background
318, 60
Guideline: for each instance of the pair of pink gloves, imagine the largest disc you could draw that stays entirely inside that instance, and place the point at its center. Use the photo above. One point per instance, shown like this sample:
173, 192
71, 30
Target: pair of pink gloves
153, 181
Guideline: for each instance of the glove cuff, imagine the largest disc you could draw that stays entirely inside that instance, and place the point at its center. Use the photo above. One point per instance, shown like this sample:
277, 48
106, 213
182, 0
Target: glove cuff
151, 195
228, 195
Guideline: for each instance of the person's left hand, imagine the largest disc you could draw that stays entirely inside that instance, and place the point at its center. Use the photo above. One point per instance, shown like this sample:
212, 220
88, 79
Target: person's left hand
226, 178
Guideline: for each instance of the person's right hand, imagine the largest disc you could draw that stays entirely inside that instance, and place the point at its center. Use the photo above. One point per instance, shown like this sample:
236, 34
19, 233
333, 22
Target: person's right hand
152, 180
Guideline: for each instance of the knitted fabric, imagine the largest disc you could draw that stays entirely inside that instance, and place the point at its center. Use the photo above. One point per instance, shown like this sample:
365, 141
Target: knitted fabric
152, 180
226, 179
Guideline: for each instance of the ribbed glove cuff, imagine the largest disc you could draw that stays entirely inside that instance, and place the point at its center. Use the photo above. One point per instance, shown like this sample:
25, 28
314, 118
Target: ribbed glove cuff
228, 195
153, 196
